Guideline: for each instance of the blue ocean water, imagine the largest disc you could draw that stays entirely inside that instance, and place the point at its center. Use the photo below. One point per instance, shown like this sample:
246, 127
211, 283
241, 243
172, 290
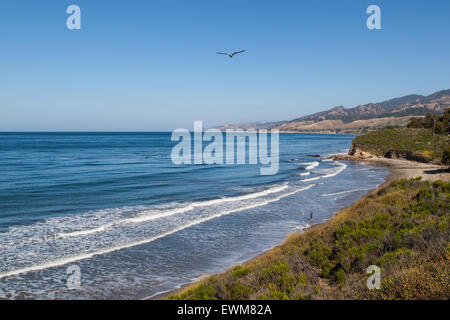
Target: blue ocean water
135, 224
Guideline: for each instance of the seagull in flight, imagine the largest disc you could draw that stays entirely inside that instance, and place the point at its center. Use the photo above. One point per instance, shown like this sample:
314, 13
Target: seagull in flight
231, 55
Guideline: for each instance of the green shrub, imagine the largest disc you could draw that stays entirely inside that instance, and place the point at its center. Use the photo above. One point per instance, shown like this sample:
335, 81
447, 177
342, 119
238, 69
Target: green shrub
391, 257
412, 144
240, 271
340, 276
319, 254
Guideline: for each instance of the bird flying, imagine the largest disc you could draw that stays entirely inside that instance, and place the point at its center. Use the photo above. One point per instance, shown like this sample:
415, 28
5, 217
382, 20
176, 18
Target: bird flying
231, 55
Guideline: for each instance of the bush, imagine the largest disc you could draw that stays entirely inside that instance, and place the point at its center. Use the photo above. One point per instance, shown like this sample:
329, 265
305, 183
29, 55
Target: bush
439, 122
446, 157
416, 144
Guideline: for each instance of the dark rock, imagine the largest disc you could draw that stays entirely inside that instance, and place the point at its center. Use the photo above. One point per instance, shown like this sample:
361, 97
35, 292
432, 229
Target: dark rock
405, 154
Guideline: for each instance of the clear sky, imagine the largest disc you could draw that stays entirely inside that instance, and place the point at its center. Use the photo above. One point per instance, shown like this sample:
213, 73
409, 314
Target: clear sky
151, 64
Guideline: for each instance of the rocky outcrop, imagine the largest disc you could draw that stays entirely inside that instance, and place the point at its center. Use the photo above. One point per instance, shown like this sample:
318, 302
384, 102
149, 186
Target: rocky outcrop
356, 152
406, 155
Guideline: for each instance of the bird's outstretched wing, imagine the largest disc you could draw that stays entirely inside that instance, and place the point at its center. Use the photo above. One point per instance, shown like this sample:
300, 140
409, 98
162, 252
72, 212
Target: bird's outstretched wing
237, 52
222, 53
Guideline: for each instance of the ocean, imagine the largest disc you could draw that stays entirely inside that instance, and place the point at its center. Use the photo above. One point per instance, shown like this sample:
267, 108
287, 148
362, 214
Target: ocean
133, 224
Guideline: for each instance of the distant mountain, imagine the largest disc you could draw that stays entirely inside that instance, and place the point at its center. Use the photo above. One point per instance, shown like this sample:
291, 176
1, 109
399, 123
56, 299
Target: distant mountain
393, 113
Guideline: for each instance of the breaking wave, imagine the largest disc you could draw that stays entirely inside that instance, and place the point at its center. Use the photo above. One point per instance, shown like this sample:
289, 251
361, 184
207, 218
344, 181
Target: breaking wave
145, 227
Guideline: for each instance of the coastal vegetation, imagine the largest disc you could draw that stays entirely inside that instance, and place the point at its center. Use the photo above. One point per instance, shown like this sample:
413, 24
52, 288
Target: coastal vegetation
418, 144
439, 123
403, 228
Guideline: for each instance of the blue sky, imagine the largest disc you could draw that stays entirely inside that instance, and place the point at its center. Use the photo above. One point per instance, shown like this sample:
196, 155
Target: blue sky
151, 65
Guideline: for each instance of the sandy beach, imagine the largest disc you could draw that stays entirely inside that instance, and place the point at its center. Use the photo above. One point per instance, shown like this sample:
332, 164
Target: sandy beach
403, 169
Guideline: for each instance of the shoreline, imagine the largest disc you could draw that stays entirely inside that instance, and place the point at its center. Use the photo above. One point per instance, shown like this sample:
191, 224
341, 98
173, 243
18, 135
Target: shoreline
401, 169
398, 169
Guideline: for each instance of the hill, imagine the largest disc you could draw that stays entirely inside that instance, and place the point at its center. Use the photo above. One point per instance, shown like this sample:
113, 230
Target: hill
363, 118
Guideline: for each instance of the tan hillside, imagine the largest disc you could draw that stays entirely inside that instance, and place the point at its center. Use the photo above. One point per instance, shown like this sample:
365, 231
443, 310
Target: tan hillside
362, 118
338, 126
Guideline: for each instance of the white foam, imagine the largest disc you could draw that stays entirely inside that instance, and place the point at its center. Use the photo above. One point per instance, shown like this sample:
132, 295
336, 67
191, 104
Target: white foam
83, 256
301, 227
342, 192
266, 192
337, 193
145, 216
152, 215
309, 165
340, 168
304, 174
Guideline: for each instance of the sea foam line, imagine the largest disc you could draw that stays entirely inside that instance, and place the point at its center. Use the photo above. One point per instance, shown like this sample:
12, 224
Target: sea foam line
309, 165
342, 167
343, 192
84, 256
168, 213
